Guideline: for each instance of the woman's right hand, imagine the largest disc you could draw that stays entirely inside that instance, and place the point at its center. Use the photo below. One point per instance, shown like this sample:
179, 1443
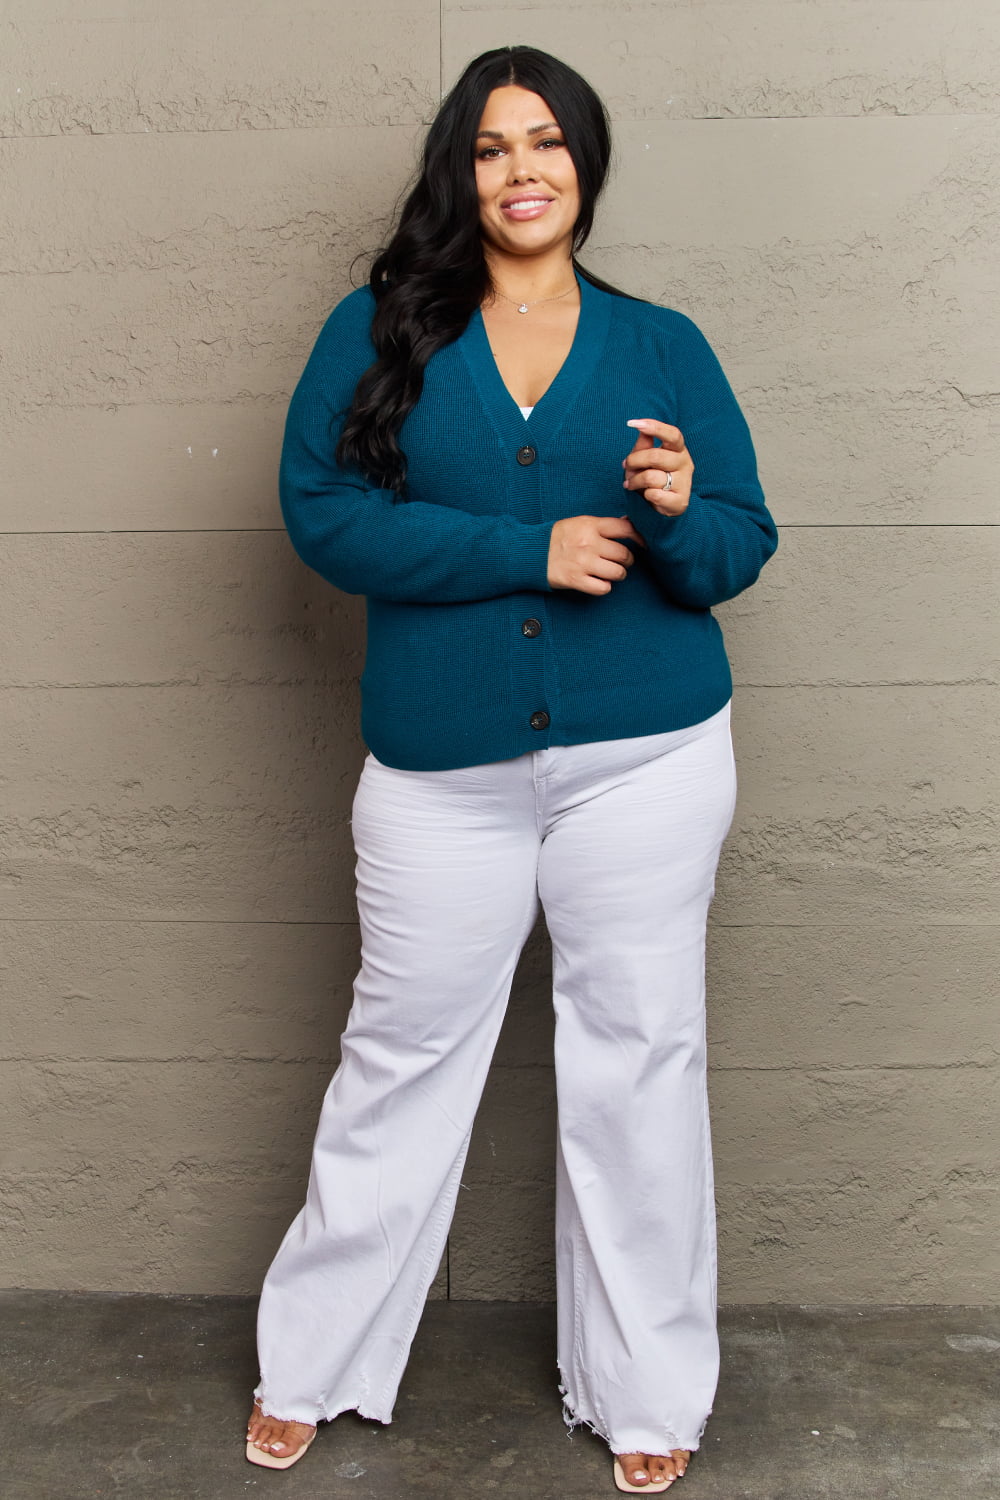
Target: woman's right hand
586, 553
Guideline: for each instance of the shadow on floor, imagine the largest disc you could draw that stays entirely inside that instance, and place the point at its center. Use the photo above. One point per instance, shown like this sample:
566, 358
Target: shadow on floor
148, 1396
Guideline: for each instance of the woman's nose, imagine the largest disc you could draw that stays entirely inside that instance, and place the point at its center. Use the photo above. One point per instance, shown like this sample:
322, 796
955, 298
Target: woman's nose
521, 169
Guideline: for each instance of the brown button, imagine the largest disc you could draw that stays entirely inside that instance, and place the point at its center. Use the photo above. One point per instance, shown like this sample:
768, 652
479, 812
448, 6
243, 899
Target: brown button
526, 455
531, 628
539, 719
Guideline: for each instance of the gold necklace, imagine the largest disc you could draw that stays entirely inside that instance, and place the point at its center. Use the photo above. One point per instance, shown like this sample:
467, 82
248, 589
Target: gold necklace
522, 307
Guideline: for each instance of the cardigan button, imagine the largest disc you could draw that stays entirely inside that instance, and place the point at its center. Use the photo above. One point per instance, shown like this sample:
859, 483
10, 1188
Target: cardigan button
526, 455
539, 719
531, 628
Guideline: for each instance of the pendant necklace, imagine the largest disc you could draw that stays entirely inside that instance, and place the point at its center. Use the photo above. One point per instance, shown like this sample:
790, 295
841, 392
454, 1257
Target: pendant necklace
522, 307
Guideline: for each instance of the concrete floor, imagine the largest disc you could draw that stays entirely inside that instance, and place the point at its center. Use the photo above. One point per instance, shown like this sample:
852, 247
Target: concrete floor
148, 1396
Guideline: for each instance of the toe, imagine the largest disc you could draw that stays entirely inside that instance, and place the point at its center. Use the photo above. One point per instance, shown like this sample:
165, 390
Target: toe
656, 1469
282, 1438
634, 1467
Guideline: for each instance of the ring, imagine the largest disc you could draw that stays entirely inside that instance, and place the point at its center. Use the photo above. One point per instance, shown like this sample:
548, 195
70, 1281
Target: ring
670, 481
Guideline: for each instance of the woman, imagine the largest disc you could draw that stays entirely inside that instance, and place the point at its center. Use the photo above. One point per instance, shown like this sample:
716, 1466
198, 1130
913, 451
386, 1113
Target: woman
546, 704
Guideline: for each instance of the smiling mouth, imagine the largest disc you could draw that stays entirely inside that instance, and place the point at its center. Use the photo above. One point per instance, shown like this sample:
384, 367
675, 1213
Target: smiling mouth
526, 208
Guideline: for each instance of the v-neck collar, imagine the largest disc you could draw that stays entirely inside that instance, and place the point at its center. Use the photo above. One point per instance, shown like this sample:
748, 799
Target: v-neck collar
551, 409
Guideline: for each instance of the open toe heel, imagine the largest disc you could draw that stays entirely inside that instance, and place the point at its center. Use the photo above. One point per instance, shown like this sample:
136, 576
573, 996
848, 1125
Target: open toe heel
653, 1487
272, 1461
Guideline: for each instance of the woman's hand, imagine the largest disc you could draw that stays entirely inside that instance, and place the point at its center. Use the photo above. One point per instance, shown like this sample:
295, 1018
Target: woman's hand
585, 553
663, 474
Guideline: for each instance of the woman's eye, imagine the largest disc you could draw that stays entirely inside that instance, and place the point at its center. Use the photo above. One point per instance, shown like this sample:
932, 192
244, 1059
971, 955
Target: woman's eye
552, 142
488, 153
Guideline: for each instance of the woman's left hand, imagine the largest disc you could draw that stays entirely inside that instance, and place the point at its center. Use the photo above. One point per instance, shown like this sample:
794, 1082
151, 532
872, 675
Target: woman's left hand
663, 474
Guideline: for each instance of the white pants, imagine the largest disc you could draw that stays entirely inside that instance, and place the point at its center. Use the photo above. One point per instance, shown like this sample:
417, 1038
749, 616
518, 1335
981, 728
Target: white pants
620, 840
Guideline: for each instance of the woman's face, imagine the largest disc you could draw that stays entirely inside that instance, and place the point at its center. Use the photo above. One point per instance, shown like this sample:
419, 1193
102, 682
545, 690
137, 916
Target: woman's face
529, 198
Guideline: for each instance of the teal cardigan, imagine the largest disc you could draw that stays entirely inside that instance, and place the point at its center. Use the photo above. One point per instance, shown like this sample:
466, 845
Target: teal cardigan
472, 657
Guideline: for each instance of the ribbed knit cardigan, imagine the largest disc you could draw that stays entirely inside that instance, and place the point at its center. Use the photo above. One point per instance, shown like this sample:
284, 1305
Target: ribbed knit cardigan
472, 657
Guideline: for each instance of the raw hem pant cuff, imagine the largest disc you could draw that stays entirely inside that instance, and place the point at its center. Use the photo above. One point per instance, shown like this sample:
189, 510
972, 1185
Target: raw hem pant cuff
297, 1412
663, 1443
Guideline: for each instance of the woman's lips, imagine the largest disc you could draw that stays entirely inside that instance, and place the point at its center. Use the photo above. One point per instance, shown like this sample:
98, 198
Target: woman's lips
525, 208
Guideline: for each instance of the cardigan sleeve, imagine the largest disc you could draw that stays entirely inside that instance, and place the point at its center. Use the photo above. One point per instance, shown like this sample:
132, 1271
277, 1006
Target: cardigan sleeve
717, 547
367, 540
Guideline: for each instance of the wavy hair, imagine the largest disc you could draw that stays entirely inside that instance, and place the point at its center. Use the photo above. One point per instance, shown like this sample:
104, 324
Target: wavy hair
432, 274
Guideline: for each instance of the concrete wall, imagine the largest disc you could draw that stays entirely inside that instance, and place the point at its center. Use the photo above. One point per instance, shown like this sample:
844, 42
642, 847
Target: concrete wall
188, 184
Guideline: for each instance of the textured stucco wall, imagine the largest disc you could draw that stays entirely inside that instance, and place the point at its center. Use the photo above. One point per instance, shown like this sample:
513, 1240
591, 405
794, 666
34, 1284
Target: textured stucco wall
817, 182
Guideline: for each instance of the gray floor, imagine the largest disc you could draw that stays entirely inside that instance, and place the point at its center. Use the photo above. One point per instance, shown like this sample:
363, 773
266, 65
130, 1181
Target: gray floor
147, 1396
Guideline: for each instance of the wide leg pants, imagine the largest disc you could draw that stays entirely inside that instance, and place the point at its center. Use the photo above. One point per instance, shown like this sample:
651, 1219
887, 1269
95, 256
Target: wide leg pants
619, 840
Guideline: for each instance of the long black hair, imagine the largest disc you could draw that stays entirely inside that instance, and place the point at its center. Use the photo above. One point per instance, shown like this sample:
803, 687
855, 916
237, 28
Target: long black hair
432, 275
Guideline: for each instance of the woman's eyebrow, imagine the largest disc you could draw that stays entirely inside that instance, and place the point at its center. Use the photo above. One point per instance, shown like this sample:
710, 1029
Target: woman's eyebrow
498, 135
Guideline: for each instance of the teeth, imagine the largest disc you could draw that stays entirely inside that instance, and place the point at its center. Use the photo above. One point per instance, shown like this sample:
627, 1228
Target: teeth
529, 203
